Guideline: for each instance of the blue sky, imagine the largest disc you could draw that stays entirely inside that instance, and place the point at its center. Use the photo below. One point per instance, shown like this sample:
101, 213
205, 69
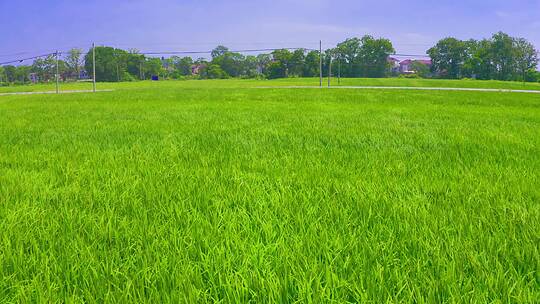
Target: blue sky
34, 27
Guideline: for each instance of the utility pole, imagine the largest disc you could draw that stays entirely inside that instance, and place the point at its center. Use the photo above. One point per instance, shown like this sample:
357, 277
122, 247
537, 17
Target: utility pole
320, 63
57, 74
94, 66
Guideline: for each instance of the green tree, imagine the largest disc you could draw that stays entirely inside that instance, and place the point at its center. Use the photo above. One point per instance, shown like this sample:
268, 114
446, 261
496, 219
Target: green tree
183, 65
111, 64
526, 58
250, 67
503, 56
276, 69
220, 50
448, 57
282, 62
153, 67
421, 69
74, 63
311, 64
230, 63
45, 68
11, 73
213, 71
263, 60
348, 52
296, 62
477, 63
362, 57
2, 75
373, 55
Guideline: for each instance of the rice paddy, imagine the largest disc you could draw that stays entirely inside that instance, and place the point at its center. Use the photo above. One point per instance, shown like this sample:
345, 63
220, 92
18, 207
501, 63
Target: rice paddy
217, 191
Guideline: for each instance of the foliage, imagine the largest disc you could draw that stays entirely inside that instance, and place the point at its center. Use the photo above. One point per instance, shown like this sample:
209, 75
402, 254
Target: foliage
191, 192
311, 64
183, 65
421, 69
364, 57
45, 68
502, 58
213, 71
74, 63
275, 70
110, 63
448, 57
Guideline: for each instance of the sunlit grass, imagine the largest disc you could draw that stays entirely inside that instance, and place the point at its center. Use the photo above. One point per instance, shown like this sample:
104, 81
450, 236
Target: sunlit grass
194, 192
251, 83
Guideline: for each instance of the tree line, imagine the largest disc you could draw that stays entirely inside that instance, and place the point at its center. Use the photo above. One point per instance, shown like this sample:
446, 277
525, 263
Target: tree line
500, 57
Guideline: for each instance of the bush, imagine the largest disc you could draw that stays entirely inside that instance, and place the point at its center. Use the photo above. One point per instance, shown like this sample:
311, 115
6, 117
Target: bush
128, 77
213, 71
410, 76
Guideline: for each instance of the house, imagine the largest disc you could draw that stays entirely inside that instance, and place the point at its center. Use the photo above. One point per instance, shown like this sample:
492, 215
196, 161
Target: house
196, 69
394, 65
405, 67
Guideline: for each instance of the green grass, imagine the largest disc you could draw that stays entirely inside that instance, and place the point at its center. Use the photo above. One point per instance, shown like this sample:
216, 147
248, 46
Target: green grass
195, 192
389, 82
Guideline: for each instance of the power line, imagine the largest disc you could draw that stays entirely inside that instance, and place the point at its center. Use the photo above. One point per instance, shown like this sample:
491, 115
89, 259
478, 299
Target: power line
409, 55
209, 52
26, 59
200, 52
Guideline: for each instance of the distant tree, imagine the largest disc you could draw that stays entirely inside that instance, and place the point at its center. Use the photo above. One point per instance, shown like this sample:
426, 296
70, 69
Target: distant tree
153, 67
74, 62
363, 57
276, 69
250, 67
230, 63
477, 62
22, 73
311, 64
526, 58
220, 50
296, 62
448, 57
11, 73
213, 71
45, 68
2, 75
503, 56
420, 69
183, 65
282, 62
373, 56
135, 64
348, 53
263, 60
328, 58
111, 64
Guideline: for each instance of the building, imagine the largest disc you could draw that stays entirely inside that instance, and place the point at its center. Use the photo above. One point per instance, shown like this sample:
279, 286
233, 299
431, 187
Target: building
394, 65
405, 66
196, 69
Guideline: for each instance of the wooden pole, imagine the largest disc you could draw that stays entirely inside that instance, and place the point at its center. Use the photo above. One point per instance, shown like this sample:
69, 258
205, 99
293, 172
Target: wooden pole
94, 66
57, 74
320, 63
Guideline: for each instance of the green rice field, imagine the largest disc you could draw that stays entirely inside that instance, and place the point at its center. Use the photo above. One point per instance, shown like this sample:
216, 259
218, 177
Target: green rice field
225, 192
